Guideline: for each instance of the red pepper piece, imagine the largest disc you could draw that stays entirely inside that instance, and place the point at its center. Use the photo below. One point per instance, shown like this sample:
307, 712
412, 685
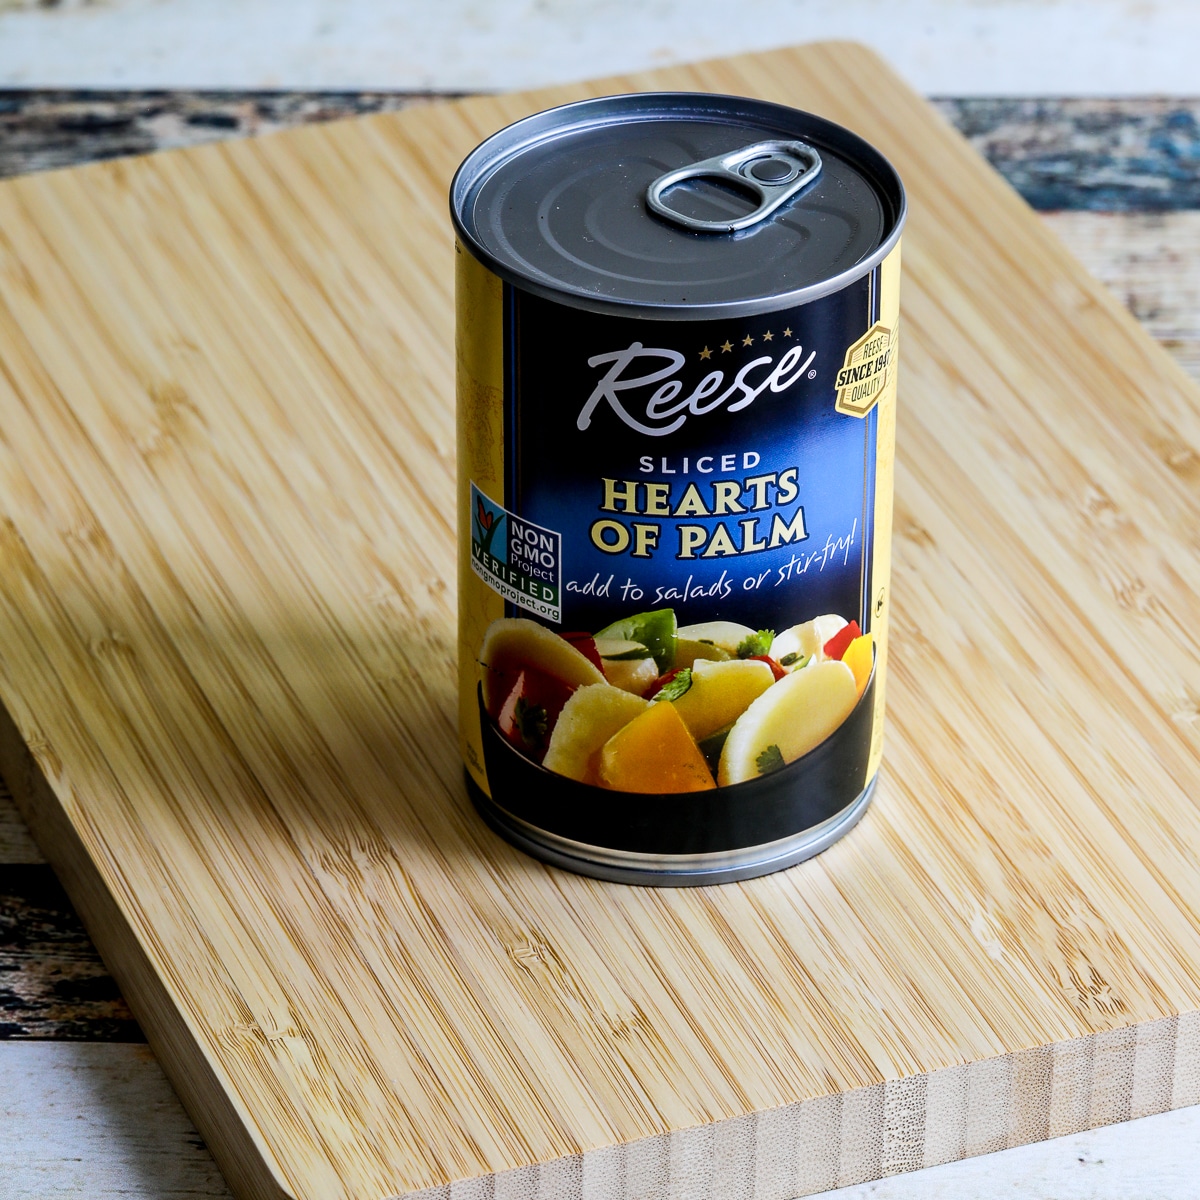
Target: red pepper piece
776, 669
586, 645
530, 710
506, 718
836, 646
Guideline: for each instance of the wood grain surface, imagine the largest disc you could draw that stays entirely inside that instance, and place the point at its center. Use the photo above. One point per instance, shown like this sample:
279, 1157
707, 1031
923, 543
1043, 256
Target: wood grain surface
225, 463
1151, 262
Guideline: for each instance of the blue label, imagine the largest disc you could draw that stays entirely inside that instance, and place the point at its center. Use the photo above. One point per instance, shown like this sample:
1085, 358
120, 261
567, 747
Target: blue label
699, 466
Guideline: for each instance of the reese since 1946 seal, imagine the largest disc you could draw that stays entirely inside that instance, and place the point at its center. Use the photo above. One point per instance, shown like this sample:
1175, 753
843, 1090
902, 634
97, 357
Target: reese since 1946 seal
677, 353
867, 369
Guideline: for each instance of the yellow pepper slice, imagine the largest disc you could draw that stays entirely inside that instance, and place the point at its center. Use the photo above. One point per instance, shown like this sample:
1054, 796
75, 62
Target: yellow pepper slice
860, 658
654, 753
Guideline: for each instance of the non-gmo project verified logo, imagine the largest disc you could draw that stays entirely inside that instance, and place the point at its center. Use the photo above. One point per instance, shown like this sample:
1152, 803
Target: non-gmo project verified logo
519, 560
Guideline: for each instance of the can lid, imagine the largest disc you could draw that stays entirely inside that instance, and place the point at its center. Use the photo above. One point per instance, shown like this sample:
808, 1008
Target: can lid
678, 205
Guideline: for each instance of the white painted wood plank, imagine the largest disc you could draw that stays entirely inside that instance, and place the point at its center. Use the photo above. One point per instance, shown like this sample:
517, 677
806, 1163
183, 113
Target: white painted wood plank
943, 47
96, 1122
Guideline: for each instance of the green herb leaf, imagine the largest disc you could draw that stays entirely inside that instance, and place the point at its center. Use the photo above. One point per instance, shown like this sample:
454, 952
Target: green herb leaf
638, 652
675, 687
756, 644
800, 660
769, 760
530, 721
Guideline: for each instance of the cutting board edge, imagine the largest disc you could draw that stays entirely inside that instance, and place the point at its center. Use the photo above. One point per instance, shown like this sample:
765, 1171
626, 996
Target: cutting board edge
226, 1130
1069, 1087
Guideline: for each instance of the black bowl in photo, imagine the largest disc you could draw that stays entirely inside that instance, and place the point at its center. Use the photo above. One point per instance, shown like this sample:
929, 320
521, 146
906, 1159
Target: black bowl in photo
796, 797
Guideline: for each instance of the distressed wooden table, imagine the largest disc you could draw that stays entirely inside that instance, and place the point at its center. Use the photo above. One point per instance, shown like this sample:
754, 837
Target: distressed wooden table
83, 1109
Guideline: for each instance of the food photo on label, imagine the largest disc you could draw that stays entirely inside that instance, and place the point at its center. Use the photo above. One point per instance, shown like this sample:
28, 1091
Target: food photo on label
647, 706
677, 351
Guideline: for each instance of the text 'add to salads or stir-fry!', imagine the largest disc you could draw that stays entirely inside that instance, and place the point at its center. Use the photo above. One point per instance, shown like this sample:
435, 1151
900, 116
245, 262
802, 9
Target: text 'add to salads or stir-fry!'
676, 411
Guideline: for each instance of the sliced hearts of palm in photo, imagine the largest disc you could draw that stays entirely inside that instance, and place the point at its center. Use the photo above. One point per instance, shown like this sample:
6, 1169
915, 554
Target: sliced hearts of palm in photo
646, 705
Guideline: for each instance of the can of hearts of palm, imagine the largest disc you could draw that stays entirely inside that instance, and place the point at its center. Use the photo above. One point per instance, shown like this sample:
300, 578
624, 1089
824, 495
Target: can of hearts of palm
676, 355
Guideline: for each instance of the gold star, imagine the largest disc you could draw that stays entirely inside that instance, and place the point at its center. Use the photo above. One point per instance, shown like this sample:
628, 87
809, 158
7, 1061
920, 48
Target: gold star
706, 353
787, 333
726, 347
768, 336
747, 340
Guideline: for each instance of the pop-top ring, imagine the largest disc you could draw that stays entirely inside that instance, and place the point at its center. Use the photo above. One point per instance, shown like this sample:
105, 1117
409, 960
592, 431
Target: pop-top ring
750, 168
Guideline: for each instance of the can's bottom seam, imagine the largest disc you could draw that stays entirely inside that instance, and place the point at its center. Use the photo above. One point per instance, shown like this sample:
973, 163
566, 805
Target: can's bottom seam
670, 870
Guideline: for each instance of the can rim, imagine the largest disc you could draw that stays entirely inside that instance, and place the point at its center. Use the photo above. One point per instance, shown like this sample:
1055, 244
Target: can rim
541, 126
671, 870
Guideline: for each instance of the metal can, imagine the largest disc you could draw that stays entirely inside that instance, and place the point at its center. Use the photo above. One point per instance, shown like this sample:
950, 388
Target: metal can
676, 356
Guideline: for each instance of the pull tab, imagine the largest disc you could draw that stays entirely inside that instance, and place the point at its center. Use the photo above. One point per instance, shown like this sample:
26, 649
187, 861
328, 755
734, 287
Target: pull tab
774, 171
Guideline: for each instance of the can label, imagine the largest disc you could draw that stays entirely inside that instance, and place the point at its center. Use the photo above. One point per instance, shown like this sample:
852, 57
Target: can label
674, 554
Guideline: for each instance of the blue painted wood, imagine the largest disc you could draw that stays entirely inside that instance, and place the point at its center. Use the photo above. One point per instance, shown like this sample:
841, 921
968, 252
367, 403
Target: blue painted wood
52, 982
1099, 155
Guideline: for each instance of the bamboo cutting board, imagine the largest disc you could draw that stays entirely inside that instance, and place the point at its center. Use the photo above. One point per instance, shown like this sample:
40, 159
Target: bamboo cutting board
226, 630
